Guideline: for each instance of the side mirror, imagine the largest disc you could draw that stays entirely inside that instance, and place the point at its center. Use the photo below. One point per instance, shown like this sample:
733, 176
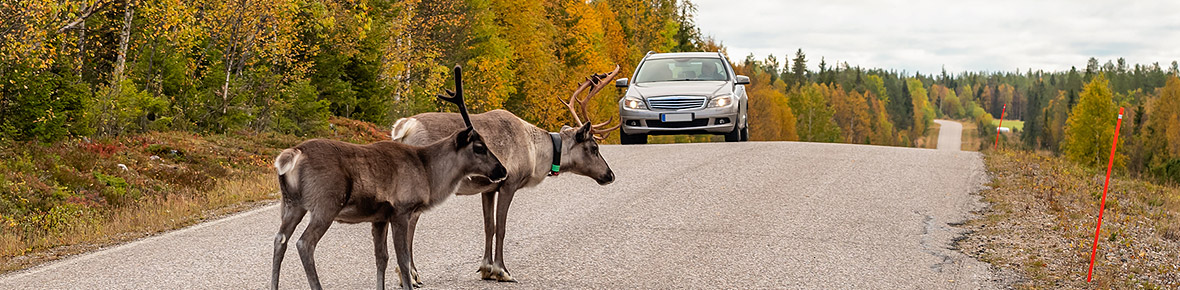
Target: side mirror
621, 83
742, 80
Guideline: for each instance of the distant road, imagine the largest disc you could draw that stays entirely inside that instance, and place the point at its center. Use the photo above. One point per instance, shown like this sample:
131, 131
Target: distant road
950, 135
757, 215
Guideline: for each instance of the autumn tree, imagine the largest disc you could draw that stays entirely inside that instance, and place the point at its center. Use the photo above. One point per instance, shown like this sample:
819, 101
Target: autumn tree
876, 86
1005, 95
949, 103
813, 114
923, 110
1163, 134
882, 128
771, 118
851, 113
1055, 116
1090, 127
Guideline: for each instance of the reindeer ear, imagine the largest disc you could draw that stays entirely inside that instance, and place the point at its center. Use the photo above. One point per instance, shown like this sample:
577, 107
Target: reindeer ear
583, 133
464, 138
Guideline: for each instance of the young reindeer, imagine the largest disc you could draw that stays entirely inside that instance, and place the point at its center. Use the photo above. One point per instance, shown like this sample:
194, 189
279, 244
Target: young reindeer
526, 151
384, 183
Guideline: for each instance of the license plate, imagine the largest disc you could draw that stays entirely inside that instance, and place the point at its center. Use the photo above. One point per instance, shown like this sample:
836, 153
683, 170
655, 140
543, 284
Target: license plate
680, 117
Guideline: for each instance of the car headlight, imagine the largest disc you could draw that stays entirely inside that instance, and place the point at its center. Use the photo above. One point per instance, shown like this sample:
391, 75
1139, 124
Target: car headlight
721, 101
632, 103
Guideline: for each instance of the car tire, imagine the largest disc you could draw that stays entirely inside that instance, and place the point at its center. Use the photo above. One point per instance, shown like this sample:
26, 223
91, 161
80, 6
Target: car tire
735, 135
746, 133
629, 139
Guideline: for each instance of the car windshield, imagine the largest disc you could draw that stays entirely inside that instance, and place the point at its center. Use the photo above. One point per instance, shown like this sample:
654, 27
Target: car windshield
682, 69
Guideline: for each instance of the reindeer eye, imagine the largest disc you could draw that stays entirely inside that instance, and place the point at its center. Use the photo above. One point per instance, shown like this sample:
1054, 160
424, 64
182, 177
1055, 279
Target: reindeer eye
480, 149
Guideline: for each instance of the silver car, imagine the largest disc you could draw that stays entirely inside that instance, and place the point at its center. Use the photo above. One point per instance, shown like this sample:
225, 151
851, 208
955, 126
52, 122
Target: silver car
683, 93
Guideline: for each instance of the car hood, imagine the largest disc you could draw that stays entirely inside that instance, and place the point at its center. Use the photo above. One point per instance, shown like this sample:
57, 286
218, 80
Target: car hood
681, 88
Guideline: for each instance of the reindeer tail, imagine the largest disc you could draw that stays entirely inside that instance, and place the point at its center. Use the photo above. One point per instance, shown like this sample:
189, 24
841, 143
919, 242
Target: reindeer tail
402, 128
288, 176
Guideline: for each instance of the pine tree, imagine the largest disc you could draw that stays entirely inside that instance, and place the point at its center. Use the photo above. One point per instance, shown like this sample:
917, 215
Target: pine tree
798, 71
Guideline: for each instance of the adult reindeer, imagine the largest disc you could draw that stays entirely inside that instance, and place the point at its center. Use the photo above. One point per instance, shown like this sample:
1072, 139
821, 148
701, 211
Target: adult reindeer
529, 153
384, 183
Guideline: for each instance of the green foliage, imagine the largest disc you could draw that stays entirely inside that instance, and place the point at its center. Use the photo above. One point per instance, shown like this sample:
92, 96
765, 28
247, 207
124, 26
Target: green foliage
1090, 127
923, 111
298, 111
1168, 170
42, 105
127, 109
117, 191
984, 122
813, 114
875, 85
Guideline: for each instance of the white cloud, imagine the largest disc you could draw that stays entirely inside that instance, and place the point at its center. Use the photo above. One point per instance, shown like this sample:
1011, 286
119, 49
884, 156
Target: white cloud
924, 36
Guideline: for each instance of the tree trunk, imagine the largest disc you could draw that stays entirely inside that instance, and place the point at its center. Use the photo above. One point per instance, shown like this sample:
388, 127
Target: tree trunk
121, 60
81, 45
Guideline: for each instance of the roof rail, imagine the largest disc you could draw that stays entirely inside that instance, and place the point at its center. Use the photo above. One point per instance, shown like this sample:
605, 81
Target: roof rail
649, 52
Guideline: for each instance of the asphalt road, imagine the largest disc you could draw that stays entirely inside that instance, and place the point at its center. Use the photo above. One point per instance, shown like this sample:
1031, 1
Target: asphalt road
950, 135
750, 216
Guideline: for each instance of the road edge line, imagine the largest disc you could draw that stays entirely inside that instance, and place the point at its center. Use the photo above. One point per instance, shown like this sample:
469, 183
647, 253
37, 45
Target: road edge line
121, 247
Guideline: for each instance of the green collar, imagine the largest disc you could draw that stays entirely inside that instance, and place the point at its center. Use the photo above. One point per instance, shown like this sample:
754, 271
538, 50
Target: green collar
555, 168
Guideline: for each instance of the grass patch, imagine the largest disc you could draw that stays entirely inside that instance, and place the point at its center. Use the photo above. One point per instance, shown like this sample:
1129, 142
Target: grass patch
78, 195
1013, 124
673, 139
930, 139
971, 139
1041, 225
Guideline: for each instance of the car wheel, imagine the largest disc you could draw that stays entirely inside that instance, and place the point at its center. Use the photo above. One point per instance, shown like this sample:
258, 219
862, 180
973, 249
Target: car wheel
735, 135
746, 133
629, 139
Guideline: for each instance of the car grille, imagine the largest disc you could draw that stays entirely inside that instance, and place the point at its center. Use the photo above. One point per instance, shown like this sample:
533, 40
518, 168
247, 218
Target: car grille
662, 124
676, 103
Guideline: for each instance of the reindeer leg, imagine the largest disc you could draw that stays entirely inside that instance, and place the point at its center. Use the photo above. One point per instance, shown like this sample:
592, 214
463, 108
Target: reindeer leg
489, 231
410, 244
400, 224
381, 251
320, 221
499, 271
292, 215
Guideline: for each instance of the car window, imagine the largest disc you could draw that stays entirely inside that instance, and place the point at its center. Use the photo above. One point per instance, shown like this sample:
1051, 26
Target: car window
682, 69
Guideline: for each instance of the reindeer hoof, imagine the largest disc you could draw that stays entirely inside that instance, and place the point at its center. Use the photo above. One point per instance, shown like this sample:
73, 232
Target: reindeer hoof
485, 272
417, 280
501, 275
415, 284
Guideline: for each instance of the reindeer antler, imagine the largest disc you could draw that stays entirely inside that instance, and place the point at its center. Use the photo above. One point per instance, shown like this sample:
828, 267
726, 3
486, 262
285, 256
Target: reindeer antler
456, 96
596, 83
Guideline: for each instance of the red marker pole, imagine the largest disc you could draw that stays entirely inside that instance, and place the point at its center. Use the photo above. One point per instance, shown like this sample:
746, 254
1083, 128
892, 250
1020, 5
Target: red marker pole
1105, 186
1005, 109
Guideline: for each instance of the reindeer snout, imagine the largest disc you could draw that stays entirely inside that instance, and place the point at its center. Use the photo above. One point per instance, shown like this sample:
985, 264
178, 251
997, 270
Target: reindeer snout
498, 173
607, 178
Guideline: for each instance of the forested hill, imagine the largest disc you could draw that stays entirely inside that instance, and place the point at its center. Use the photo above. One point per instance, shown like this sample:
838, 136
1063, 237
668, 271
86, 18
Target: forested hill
88, 68
110, 67
1070, 113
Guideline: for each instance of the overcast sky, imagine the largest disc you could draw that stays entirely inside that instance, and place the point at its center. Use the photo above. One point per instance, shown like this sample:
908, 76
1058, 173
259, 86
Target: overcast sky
924, 36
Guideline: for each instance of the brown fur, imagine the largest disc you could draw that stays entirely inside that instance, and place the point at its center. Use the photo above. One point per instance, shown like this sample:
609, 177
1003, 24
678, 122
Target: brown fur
383, 183
526, 152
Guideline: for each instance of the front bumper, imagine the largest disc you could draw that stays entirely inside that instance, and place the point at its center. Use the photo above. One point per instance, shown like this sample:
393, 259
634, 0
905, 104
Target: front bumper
705, 121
